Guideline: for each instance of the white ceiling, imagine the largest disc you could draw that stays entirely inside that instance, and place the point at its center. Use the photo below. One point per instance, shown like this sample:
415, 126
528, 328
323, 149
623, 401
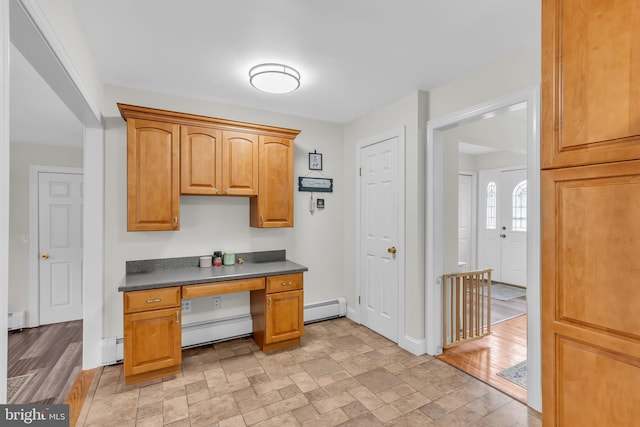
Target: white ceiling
353, 55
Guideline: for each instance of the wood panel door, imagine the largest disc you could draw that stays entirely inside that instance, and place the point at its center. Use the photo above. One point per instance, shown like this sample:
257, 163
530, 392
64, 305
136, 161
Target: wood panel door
590, 81
284, 316
590, 298
239, 163
273, 207
152, 341
153, 175
200, 160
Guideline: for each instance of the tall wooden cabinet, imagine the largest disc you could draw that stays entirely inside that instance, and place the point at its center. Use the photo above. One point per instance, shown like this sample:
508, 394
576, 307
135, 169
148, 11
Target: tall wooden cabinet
172, 153
590, 228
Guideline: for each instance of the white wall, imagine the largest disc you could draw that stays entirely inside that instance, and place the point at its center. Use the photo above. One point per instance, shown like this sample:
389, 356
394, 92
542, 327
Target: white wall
23, 155
409, 112
62, 17
510, 75
222, 223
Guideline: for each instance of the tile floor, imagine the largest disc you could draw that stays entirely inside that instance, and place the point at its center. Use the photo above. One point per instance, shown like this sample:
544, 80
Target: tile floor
342, 374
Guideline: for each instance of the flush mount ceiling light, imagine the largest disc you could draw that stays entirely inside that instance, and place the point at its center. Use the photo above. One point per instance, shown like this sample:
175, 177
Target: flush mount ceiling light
274, 78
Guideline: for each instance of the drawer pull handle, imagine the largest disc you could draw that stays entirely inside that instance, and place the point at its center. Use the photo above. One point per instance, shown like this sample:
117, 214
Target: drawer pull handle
151, 301
286, 283
269, 299
177, 317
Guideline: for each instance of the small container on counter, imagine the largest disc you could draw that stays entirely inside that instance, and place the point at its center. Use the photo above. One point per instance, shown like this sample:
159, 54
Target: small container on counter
229, 258
217, 258
205, 261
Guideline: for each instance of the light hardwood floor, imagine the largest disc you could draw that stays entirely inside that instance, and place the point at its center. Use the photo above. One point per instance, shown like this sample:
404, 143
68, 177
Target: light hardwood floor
484, 358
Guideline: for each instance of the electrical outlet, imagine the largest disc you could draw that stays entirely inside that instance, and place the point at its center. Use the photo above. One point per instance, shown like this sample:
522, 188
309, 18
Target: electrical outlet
186, 305
217, 302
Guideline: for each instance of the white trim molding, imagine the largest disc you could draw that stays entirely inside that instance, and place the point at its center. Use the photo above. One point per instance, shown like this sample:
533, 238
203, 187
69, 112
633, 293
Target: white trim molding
434, 221
4, 194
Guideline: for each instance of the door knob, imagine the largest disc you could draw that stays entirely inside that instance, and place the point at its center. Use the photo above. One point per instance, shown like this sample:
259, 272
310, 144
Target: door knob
503, 235
45, 256
392, 250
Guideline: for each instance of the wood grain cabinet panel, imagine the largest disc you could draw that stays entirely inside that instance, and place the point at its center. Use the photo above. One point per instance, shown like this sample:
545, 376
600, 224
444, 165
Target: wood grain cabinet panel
590, 265
200, 160
153, 176
273, 208
240, 163
152, 344
590, 82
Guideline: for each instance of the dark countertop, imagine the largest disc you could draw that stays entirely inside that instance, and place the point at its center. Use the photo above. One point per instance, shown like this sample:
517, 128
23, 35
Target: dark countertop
153, 274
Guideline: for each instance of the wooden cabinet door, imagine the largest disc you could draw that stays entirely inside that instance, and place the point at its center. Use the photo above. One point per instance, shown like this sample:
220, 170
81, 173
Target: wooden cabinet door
239, 163
200, 160
274, 205
284, 316
590, 82
152, 341
590, 295
153, 175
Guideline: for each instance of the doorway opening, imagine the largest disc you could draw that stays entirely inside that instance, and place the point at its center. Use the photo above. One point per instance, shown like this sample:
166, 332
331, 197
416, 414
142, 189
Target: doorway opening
469, 141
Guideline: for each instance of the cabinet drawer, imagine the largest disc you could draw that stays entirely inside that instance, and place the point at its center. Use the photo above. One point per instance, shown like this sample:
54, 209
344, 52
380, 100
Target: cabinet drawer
219, 288
151, 299
285, 282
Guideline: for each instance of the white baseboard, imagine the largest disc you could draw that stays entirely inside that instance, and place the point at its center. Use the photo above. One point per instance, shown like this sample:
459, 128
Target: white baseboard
352, 314
225, 329
413, 345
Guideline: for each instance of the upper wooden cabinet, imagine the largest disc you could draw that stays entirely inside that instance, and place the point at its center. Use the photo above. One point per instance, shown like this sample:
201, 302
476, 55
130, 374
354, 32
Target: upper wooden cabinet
273, 207
171, 153
200, 160
590, 82
153, 175
240, 163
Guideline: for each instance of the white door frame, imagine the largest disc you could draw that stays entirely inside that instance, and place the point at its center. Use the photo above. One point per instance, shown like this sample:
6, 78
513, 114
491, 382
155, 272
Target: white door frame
434, 221
34, 236
400, 258
34, 36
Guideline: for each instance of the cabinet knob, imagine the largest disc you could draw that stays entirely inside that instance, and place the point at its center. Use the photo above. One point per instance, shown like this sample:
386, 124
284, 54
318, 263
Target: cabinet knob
286, 283
261, 219
269, 299
177, 317
226, 191
175, 222
217, 191
151, 301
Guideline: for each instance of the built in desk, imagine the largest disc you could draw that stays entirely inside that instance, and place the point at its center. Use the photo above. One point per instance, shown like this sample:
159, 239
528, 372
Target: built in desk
154, 289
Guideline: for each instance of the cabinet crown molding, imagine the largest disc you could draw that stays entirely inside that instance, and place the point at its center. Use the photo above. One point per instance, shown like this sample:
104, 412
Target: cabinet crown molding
146, 113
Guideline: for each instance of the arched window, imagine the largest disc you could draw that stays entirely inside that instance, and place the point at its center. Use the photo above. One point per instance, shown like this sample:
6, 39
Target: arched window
492, 204
519, 218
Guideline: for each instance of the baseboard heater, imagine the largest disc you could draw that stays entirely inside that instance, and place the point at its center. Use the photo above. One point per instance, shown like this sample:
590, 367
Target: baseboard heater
217, 330
17, 320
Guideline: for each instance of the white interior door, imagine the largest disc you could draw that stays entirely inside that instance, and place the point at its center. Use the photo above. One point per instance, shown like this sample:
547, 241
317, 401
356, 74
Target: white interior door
379, 207
60, 199
513, 228
465, 222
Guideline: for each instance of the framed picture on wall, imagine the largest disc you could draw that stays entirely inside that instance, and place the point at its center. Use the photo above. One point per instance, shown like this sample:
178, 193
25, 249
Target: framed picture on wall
315, 161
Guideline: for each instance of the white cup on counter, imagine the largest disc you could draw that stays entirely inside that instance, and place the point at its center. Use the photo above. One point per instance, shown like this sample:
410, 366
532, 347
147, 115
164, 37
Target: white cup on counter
205, 261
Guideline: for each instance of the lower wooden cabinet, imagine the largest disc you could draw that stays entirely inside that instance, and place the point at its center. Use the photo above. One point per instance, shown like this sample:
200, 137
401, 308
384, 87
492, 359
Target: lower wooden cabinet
153, 337
277, 312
